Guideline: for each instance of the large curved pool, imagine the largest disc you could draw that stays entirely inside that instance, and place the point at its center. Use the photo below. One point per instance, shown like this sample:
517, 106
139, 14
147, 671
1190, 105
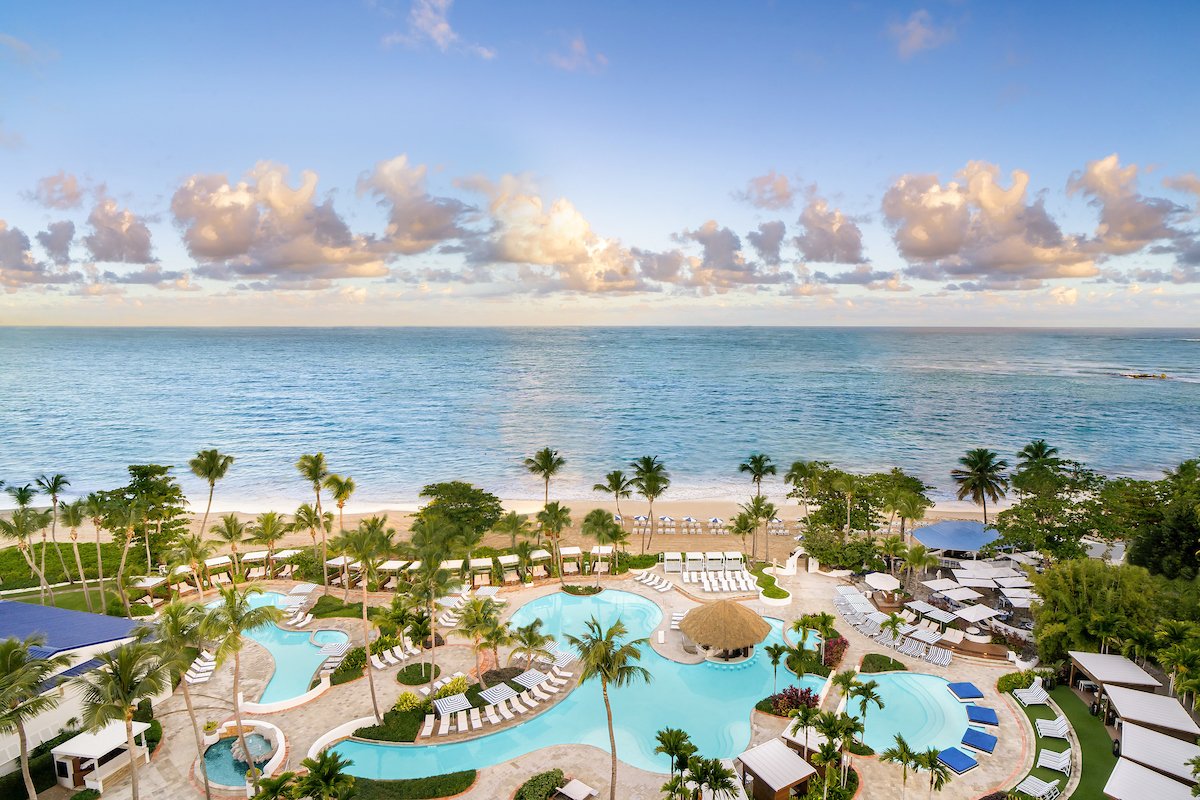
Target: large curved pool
919, 707
711, 702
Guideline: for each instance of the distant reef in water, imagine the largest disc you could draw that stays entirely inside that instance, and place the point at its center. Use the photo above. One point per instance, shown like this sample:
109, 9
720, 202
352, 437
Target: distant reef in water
1146, 376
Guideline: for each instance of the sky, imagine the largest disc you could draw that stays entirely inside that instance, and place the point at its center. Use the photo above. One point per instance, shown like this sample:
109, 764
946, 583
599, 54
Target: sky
461, 162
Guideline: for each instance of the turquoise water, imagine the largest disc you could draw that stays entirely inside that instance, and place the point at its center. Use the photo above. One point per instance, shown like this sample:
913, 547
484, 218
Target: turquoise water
918, 707
699, 398
296, 658
221, 766
712, 703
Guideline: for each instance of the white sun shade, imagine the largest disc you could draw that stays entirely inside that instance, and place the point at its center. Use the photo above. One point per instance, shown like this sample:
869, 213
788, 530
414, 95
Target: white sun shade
976, 613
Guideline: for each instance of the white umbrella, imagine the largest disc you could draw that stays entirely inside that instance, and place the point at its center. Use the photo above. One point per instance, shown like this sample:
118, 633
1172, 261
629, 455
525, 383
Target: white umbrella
976, 613
716, 520
882, 581
689, 519
665, 519
641, 518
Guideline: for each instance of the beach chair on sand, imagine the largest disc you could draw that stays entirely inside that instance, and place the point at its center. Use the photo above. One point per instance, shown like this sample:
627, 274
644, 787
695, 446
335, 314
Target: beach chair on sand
430, 719
1039, 789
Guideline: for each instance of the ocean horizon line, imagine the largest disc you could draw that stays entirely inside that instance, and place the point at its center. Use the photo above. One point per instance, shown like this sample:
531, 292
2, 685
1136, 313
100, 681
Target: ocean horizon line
647, 326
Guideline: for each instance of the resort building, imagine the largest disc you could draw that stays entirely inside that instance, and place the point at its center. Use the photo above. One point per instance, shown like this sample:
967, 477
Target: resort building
774, 771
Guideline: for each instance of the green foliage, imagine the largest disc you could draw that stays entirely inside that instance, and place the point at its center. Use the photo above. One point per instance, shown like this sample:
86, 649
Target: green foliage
541, 786
409, 701
582, 590
416, 674
41, 768
833, 548
397, 726
383, 643
160, 497
329, 606
86, 794
14, 572
350, 668
1167, 536
307, 566
1059, 504
768, 585
627, 561
878, 662
465, 506
415, 788
1015, 680
453, 686
1087, 603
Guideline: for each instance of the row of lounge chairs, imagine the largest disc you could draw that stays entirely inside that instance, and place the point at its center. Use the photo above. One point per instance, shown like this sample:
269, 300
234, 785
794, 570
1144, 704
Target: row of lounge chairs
496, 713
1035, 695
676, 618
735, 581
975, 742
938, 656
396, 655
201, 669
661, 585
1057, 728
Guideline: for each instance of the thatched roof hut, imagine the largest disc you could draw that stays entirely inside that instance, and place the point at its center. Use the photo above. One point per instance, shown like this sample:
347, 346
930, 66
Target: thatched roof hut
724, 625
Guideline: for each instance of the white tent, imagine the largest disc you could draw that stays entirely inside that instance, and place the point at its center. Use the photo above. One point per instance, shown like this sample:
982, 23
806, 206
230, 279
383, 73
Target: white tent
282, 554
539, 555
976, 613
1111, 668
1014, 583
734, 561
218, 561
978, 583
694, 562
1011, 592
714, 561
1132, 781
95, 744
1154, 710
1158, 751
882, 581
962, 594
672, 562
256, 556
392, 565
941, 584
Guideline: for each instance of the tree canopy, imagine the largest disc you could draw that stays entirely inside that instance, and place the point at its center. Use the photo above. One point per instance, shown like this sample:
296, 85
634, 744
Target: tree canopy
463, 505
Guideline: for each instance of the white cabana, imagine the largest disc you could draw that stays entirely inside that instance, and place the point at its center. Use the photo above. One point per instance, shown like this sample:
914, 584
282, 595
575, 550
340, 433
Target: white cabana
255, 557
452, 564
509, 561
776, 765
340, 561
413, 567
962, 594
149, 582
216, 562
95, 744
77, 759
602, 550
1021, 602
1158, 751
1010, 593
392, 565
882, 581
570, 552
480, 565
734, 561
539, 555
1112, 669
977, 583
182, 569
1132, 781
941, 584
714, 561
1155, 711
976, 613
1014, 583
694, 562
283, 554
672, 562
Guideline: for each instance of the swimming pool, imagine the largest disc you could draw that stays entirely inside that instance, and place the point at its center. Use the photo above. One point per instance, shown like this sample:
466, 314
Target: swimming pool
919, 707
297, 654
711, 702
224, 769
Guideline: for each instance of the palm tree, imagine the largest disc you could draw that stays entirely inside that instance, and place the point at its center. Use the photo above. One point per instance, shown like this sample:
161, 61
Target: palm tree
892, 549
828, 757
125, 516
226, 625
126, 676
903, 756
281, 787
867, 695
894, 623
609, 660
307, 518
494, 637
981, 477
545, 463
432, 537
97, 509
651, 480
192, 551
759, 466
21, 527
22, 495
775, 652
804, 477
370, 544
1038, 453
514, 525
232, 532
531, 643
741, 526
23, 675
599, 525
618, 484
711, 774
53, 486
326, 778
312, 468
806, 717
177, 633
847, 485
73, 516
210, 466
845, 681
675, 744
761, 511
478, 615
268, 530
917, 560
554, 519
939, 773
524, 553
847, 728
910, 509
341, 489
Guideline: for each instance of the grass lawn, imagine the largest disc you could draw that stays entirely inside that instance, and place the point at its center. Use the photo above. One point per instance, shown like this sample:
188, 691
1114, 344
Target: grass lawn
767, 583
1096, 747
878, 662
63, 598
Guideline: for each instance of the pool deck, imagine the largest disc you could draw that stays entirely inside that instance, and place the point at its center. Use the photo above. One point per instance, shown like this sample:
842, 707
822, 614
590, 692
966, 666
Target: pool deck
172, 764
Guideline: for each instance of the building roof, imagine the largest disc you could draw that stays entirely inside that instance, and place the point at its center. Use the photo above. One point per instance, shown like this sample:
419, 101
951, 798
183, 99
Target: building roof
1158, 751
1130, 781
964, 535
1113, 552
63, 629
1109, 668
724, 624
776, 764
1157, 710
98, 743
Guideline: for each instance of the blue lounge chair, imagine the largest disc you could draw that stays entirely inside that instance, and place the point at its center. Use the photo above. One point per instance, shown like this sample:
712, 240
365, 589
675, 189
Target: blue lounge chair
965, 692
981, 715
978, 740
957, 760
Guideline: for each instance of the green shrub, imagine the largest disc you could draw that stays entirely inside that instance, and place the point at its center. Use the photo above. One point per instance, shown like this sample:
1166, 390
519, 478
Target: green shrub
583, 590
383, 643
41, 769
1015, 680
14, 572
329, 606
541, 786
416, 788
878, 662
85, 794
308, 566
636, 562
409, 701
453, 686
397, 726
416, 674
350, 668
154, 734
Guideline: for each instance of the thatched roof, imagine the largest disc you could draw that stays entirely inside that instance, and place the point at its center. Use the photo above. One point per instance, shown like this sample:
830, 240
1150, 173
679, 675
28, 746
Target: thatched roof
725, 625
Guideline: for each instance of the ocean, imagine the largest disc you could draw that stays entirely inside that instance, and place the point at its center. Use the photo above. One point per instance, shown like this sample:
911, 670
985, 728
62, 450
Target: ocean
398, 408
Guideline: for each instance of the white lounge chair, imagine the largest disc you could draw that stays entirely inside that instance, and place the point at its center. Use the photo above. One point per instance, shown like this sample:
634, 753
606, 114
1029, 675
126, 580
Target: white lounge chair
1053, 729
1059, 762
387, 658
528, 699
476, 721
551, 687
443, 725
397, 655
377, 662
1039, 789
430, 719
490, 713
562, 673
539, 694
515, 702
502, 707
460, 722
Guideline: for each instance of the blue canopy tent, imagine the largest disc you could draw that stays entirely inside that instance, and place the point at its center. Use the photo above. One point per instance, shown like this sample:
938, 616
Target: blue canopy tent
960, 535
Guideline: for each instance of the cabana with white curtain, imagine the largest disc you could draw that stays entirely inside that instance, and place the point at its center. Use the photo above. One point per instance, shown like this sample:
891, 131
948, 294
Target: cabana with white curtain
694, 562
218, 568
88, 759
510, 564
572, 559
254, 564
601, 557
734, 562
714, 561
672, 562
281, 567
538, 559
481, 571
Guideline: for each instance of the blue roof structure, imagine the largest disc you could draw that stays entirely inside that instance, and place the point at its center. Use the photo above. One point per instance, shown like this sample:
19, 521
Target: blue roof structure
964, 535
63, 629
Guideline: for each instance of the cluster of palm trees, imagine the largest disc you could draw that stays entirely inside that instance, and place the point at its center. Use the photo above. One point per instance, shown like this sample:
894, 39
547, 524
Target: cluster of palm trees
911, 560
692, 776
904, 756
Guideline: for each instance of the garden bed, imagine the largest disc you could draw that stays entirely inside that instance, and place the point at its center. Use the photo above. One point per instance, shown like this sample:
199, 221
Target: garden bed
416, 674
878, 662
415, 788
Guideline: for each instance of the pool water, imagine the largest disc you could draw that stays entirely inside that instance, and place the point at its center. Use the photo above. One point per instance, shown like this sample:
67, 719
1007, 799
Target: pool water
296, 657
919, 707
221, 766
711, 702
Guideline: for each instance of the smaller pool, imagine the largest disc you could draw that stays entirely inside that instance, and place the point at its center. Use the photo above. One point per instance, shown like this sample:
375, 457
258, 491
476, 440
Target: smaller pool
224, 769
919, 707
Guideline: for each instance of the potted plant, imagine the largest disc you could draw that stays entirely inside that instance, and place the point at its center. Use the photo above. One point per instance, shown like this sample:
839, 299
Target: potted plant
210, 732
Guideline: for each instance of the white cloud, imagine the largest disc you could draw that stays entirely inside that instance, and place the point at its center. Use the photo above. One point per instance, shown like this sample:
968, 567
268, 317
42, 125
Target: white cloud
919, 33
770, 191
428, 23
61, 191
416, 220
579, 57
1128, 220
117, 234
828, 236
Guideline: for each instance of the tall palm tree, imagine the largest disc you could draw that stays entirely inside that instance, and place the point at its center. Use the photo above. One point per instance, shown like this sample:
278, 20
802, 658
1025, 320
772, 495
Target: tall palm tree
97, 510
23, 675
675, 744
23, 496
827, 756
805, 717
73, 516
312, 468
226, 625
326, 778
432, 540
53, 485
21, 527
711, 775
902, 755
497, 636
192, 551
545, 463
759, 466
939, 773
918, 560
370, 544
891, 548
804, 478
847, 485
866, 694
554, 519
231, 531
210, 466
651, 480
894, 623
606, 658
524, 553
775, 652
847, 728
126, 676
125, 517
177, 633
514, 525
342, 489
981, 477
268, 530
741, 526
307, 518
598, 524
910, 509
618, 484
762, 511
476, 617
531, 643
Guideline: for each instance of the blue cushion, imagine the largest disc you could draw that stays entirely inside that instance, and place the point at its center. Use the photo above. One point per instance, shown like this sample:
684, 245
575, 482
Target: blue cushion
982, 715
979, 740
957, 760
965, 691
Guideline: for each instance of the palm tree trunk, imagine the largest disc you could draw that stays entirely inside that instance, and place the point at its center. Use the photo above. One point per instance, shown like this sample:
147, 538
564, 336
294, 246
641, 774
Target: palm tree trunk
187, 699
766, 544
54, 538
367, 645
432, 649
146, 541
100, 568
985, 510
41, 576
346, 582
237, 712
87, 595
30, 789
132, 746
646, 544
212, 485
121, 572
612, 742
199, 582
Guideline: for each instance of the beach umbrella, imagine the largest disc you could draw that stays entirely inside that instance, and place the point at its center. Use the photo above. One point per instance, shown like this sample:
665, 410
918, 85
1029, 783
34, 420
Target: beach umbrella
882, 581
689, 519
665, 519
716, 520
616, 517
777, 521
725, 625
641, 518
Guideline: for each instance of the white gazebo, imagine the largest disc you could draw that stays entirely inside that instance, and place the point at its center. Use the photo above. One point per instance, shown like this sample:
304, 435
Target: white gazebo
882, 581
775, 767
601, 555
87, 760
734, 561
572, 559
976, 613
510, 563
481, 571
535, 558
672, 562
714, 561
694, 562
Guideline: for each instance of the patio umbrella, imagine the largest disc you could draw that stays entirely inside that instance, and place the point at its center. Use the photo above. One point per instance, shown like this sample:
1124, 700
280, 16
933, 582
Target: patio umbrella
882, 581
725, 625
716, 520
